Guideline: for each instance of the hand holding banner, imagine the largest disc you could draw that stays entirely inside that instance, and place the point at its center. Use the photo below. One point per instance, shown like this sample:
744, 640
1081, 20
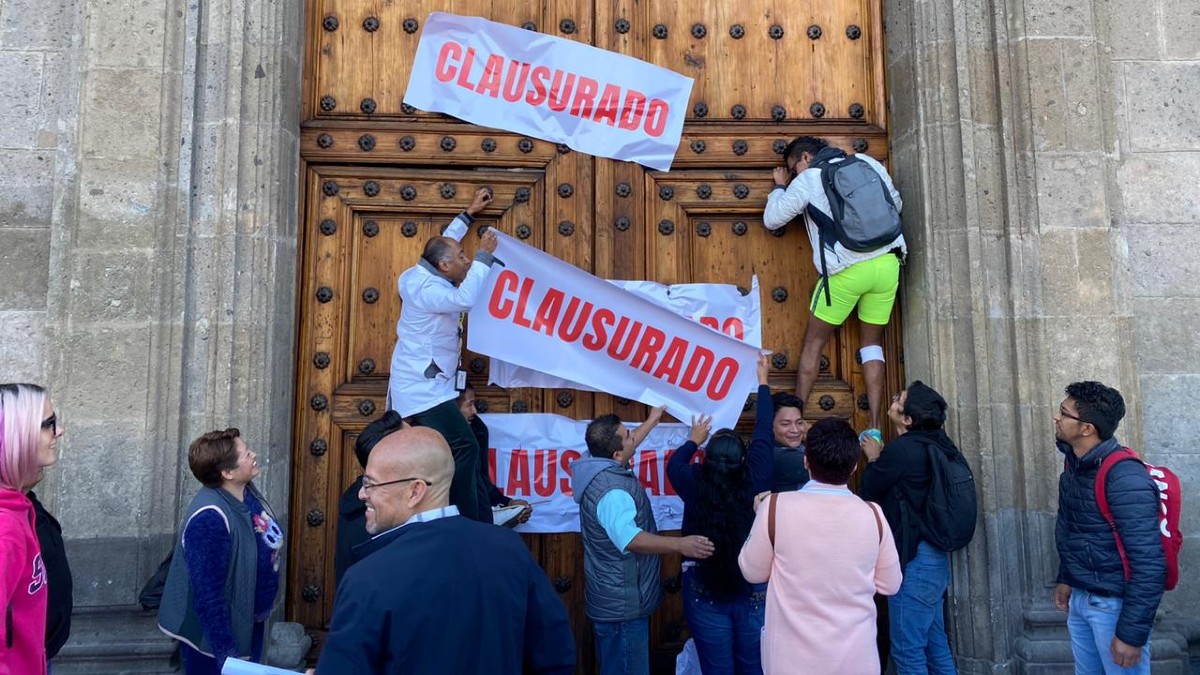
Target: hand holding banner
531, 455
595, 101
539, 312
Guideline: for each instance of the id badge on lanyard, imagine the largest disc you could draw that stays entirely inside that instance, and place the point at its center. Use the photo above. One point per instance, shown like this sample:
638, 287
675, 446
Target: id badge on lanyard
460, 375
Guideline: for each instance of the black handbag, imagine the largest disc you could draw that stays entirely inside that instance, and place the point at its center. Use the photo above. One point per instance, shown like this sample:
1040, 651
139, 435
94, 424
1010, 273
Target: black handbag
151, 595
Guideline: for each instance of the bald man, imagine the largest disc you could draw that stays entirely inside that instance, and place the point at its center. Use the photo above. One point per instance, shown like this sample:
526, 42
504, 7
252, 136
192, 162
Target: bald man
434, 592
424, 382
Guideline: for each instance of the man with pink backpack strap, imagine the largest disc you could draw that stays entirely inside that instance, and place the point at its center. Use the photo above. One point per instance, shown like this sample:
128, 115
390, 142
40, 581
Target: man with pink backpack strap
1113, 535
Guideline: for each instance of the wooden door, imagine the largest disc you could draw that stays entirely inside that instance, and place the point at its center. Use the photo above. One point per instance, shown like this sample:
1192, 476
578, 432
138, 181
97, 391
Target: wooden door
380, 178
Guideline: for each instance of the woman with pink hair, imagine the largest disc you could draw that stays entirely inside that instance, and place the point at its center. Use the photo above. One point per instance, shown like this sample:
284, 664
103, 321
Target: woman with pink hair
29, 433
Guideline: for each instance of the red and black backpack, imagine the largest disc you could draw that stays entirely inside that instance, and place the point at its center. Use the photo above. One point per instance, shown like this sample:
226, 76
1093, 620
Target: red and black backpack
1170, 495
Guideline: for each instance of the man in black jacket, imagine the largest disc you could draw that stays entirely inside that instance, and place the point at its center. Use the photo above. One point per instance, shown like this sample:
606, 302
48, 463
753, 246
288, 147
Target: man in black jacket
352, 513
435, 592
1109, 613
898, 476
487, 491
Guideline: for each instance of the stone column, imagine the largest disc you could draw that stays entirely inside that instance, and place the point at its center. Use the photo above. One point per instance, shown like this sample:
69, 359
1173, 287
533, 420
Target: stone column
172, 274
1017, 284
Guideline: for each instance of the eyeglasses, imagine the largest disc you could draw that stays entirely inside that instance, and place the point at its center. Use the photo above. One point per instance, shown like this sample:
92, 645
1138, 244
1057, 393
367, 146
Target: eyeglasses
51, 423
1062, 412
367, 485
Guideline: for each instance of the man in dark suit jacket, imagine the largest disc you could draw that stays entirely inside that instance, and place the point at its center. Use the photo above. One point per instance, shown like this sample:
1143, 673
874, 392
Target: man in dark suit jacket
434, 592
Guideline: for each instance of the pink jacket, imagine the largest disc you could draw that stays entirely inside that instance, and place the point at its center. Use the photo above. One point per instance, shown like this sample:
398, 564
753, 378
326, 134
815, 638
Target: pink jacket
22, 588
830, 558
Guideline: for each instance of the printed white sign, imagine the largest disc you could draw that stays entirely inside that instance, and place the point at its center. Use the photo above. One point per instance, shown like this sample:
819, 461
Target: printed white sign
558, 90
530, 458
722, 307
539, 312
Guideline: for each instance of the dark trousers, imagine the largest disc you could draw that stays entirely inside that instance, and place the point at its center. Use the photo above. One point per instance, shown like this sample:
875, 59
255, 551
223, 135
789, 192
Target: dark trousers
448, 420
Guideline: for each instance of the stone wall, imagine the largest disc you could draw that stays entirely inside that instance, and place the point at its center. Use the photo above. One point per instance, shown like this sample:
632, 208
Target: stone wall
1154, 92
147, 252
1045, 250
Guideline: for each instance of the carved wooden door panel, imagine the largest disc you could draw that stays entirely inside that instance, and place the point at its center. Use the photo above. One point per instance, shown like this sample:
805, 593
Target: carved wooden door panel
380, 178
367, 223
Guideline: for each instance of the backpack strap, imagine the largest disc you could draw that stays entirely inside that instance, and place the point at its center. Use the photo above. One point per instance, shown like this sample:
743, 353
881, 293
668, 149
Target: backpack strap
1109, 462
771, 518
878, 520
825, 226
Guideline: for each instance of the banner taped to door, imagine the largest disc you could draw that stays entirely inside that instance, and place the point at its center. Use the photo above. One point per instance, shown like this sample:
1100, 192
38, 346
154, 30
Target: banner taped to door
595, 101
531, 455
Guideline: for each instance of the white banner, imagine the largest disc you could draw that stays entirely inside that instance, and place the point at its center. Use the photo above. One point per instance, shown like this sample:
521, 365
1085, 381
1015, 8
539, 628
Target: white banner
531, 455
539, 312
722, 307
558, 90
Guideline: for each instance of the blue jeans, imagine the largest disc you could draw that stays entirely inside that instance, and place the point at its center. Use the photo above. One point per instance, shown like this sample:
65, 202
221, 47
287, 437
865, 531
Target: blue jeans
623, 647
727, 633
915, 617
1092, 623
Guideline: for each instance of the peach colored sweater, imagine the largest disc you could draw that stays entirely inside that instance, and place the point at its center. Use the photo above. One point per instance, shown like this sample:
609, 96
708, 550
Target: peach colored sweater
828, 562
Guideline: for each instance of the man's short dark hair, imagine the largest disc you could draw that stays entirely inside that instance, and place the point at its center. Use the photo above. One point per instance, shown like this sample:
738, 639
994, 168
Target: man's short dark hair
373, 433
802, 144
213, 453
832, 450
602, 437
1098, 405
925, 406
437, 249
782, 399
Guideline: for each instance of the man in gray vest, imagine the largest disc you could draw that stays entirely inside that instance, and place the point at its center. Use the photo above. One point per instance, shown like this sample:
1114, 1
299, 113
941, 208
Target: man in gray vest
620, 546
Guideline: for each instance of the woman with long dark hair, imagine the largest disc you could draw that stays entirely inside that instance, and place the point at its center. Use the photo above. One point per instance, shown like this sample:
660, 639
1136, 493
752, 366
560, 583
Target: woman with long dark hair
724, 611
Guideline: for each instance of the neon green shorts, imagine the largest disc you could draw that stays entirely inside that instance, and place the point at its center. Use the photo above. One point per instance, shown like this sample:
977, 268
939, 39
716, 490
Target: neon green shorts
870, 284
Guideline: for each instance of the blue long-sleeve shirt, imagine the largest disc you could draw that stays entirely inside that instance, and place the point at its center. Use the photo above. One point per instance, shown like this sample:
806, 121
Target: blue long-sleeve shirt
207, 553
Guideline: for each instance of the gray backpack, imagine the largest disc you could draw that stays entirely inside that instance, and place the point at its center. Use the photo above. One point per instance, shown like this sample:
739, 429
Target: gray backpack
864, 216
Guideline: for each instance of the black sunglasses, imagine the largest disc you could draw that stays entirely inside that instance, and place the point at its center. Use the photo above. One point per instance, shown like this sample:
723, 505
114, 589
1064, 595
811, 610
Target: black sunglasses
51, 423
1064, 413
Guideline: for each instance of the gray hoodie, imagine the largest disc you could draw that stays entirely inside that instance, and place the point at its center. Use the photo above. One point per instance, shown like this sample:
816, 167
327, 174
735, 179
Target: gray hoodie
583, 470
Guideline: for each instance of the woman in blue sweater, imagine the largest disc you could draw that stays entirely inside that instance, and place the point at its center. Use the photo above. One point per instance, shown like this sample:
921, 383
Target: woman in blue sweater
724, 612
225, 572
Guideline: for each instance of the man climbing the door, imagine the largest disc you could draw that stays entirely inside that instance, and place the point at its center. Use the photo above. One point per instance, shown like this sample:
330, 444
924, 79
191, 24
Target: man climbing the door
851, 212
425, 379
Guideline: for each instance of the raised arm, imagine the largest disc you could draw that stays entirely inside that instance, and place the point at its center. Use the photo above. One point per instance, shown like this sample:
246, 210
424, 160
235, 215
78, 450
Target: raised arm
639, 434
761, 456
443, 298
680, 470
788, 200
458, 227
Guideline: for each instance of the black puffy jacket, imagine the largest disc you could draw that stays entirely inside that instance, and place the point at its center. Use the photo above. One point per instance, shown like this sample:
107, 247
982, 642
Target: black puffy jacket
1087, 549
